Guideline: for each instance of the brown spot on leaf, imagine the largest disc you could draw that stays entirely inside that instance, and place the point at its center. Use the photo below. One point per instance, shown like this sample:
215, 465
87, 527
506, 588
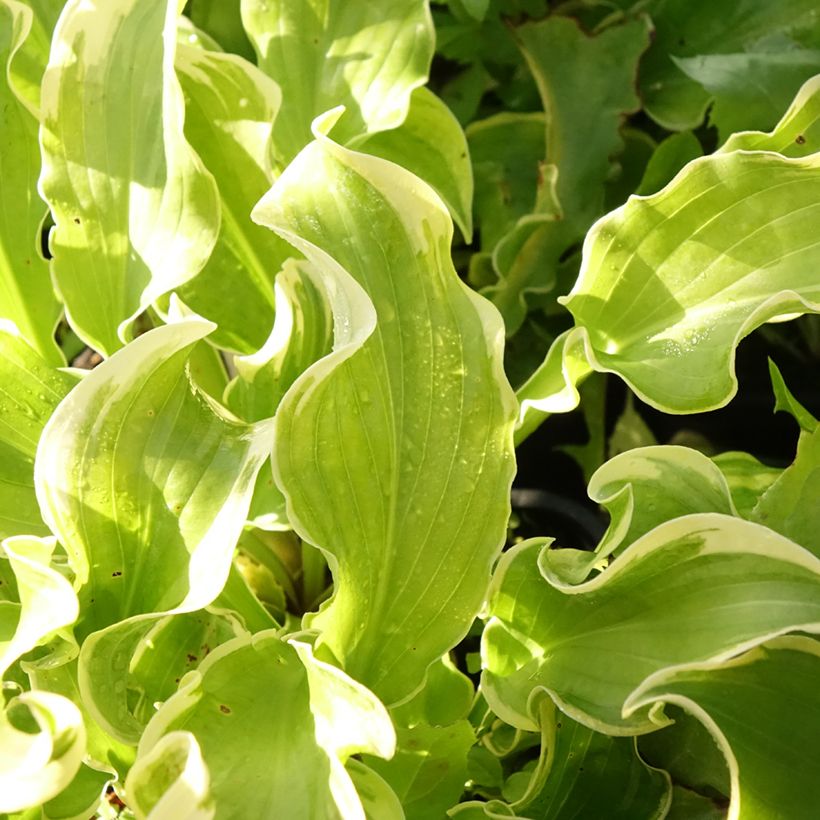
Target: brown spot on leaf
800, 139
226, 710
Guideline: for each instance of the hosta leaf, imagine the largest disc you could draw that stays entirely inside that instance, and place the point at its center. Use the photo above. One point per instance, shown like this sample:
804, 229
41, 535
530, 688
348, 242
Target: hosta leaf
796, 135
171, 781
147, 483
142, 478
230, 106
136, 212
583, 773
429, 768
641, 489
221, 20
279, 756
769, 694
29, 391
506, 150
431, 144
699, 588
301, 334
750, 90
366, 56
671, 283
688, 752
747, 478
668, 158
47, 601
394, 452
38, 764
173, 646
26, 297
785, 400
685, 30
789, 505
81, 798
587, 86
379, 801
31, 58
447, 697
649, 485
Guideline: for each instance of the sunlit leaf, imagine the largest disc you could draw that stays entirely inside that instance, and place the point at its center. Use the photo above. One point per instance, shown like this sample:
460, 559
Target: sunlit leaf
133, 220
29, 391
431, 144
698, 588
26, 296
394, 452
230, 106
366, 56
311, 719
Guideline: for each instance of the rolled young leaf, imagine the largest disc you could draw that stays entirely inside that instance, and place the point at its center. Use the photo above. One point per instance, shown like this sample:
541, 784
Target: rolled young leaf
136, 214
394, 452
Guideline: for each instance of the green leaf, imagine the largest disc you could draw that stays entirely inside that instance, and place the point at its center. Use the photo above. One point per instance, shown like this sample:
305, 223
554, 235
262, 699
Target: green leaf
379, 801
747, 479
587, 774
796, 135
789, 505
686, 30
301, 335
671, 283
688, 805
587, 86
141, 477
47, 601
26, 297
750, 90
431, 144
700, 588
37, 765
221, 20
766, 693
132, 220
784, 400
81, 798
395, 451
506, 150
30, 391
366, 56
446, 698
171, 781
429, 768
688, 752
31, 58
282, 755
230, 106
669, 157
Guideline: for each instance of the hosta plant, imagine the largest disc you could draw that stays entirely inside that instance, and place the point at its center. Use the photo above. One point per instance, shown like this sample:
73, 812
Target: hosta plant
261, 408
